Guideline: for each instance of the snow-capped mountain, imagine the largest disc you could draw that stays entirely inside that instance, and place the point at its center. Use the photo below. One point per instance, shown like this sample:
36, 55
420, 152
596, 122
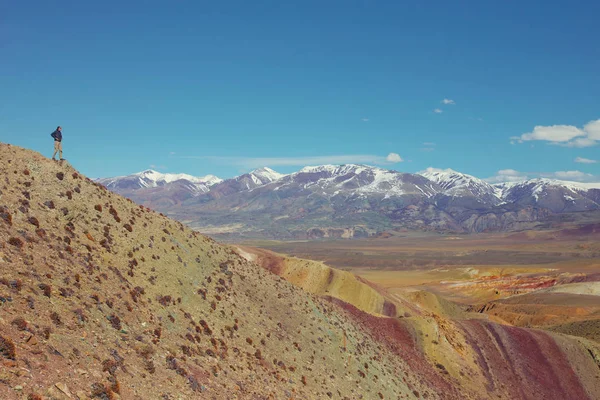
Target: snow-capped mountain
555, 195
357, 197
357, 180
152, 179
158, 190
265, 175
456, 184
251, 180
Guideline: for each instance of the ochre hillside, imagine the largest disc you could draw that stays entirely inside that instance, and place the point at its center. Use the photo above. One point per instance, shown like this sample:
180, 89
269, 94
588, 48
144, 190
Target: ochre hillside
101, 298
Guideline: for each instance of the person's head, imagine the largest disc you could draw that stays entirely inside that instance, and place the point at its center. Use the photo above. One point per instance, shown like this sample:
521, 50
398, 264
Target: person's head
59, 128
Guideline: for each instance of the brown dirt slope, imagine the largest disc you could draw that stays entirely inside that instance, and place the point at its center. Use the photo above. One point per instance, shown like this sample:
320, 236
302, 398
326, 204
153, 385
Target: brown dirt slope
102, 298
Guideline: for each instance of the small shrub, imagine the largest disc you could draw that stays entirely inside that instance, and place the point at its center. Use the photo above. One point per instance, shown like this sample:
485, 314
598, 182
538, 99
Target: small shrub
34, 221
47, 289
81, 317
60, 176
6, 216
7, 348
98, 207
128, 227
19, 323
115, 322
55, 318
16, 242
102, 392
46, 332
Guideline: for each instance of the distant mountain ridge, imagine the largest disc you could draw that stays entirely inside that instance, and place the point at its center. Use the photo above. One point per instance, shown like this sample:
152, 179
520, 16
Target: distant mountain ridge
353, 200
150, 178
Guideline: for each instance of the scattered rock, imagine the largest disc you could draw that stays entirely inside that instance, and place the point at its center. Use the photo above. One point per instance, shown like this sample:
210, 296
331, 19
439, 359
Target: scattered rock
63, 388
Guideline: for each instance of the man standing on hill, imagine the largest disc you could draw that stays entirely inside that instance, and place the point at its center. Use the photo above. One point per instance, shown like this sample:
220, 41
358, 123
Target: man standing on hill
57, 136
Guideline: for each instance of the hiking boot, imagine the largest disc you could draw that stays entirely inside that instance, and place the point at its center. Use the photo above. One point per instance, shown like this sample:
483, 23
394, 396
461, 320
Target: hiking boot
53, 159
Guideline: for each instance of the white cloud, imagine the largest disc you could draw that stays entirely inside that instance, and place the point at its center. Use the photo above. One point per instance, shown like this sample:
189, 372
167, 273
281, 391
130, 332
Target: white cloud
438, 111
428, 144
394, 158
448, 101
569, 176
580, 142
511, 175
171, 153
507, 175
365, 120
582, 160
258, 162
554, 133
593, 129
563, 135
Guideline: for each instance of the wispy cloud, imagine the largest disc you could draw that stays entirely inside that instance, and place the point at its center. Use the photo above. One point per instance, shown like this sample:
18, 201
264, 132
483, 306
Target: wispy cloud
429, 146
154, 166
365, 119
582, 160
511, 175
507, 175
563, 135
257, 162
448, 102
437, 111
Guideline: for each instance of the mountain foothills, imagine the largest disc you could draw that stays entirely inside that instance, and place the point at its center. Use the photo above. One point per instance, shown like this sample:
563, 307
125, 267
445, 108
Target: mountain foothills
101, 298
354, 201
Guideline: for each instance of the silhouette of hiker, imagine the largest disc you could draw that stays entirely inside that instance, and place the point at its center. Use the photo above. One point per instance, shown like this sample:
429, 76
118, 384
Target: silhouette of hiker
57, 135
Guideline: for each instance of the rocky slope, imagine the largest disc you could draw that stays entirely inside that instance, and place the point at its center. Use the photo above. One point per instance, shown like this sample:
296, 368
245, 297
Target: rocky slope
102, 298
358, 200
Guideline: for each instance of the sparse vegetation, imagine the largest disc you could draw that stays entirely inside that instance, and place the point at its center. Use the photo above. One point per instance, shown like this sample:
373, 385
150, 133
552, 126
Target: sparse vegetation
7, 348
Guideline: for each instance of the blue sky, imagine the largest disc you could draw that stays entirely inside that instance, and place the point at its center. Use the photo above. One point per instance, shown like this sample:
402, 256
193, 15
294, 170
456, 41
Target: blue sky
223, 87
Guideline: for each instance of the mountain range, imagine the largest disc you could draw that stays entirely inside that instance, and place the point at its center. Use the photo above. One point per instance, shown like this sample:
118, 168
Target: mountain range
353, 200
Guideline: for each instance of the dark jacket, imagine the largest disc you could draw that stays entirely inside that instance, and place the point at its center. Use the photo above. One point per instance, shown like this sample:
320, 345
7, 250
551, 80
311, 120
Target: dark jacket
57, 135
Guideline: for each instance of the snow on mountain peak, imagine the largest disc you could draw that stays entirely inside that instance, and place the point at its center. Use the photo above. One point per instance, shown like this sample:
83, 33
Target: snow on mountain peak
456, 183
266, 174
154, 177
